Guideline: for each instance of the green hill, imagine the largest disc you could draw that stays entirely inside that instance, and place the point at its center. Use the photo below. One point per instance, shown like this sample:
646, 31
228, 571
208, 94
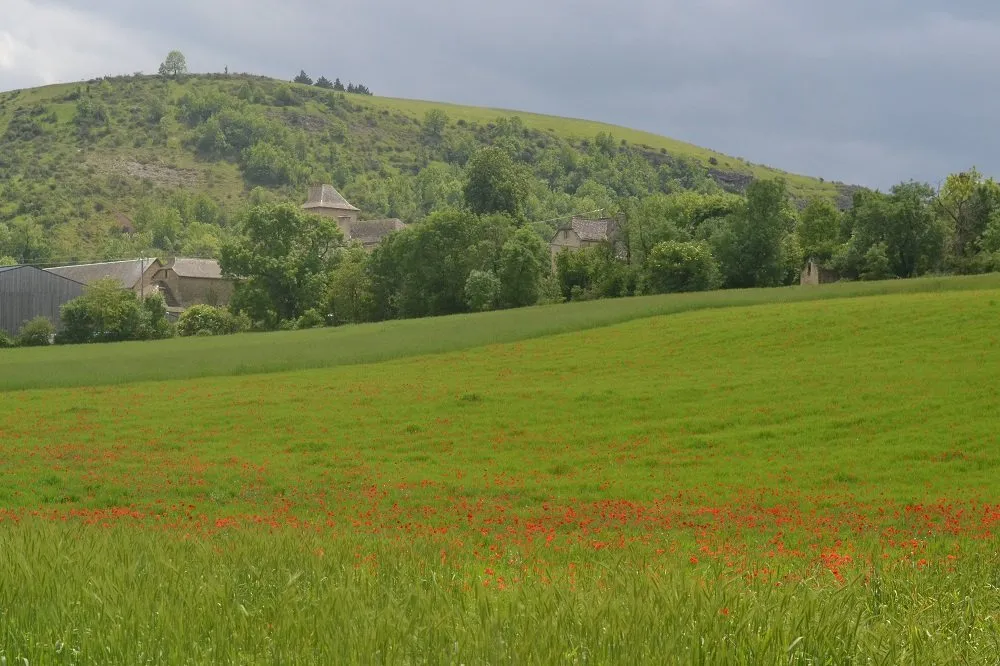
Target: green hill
80, 162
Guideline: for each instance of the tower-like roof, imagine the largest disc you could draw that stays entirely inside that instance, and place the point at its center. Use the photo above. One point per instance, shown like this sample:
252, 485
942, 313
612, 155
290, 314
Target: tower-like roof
327, 196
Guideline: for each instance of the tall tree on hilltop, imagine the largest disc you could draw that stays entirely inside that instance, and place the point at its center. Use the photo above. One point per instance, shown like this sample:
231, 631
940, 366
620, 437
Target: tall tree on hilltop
175, 65
323, 82
338, 86
303, 78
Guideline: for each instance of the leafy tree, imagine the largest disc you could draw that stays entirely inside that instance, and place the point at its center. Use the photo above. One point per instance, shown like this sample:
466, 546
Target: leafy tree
7, 261
175, 65
25, 241
282, 259
482, 290
573, 273
674, 266
494, 184
303, 78
349, 295
967, 201
422, 270
913, 236
750, 249
524, 264
36, 333
435, 123
819, 229
323, 82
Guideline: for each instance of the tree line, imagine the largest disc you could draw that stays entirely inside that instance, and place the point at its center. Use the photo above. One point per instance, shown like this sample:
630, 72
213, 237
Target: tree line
335, 85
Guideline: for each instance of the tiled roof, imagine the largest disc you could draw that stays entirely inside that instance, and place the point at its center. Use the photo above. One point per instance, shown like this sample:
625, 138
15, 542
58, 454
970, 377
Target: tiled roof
593, 230
197, 268
125, 272
326, 196
370, 232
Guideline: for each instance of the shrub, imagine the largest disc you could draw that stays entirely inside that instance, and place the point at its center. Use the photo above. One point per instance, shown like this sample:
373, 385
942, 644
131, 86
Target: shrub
311, 318
108, 313
5, 340
673, 266
482, 291
36, 333
208, 320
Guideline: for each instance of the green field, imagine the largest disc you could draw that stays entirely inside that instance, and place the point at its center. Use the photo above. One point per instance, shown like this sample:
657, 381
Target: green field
796, 482
282, 351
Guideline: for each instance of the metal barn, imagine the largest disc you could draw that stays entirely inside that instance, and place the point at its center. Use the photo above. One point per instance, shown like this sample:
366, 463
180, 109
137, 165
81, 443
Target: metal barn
27, 292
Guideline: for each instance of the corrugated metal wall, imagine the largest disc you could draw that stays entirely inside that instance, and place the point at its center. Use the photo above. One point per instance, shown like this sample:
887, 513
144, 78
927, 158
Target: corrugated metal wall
27, 292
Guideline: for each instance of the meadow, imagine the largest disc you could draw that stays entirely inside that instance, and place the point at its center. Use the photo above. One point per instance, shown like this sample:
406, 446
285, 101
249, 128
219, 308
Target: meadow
259, 353
798, 482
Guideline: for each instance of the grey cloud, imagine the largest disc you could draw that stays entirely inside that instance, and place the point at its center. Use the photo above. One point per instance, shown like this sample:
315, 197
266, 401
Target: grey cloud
872, 91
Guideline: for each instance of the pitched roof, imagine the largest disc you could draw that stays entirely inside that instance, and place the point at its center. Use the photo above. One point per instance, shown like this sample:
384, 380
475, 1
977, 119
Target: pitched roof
28, 267
593, 230
326, 196
127, 272
197, 268
371, 232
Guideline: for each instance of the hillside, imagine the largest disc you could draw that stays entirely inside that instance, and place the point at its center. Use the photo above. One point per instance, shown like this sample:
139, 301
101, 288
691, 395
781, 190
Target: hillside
804, 483
83, 161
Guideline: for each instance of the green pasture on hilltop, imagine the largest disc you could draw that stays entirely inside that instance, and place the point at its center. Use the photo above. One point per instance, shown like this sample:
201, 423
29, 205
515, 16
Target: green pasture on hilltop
807, 482
284, 351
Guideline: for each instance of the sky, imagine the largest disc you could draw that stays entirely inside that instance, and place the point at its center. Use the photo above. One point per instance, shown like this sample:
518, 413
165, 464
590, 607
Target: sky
870, 92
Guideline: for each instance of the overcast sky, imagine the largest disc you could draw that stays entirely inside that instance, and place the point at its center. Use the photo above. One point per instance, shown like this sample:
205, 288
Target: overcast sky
865, 91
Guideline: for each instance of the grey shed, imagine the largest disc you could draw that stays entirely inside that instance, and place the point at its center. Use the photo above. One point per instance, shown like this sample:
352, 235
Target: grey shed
27, 292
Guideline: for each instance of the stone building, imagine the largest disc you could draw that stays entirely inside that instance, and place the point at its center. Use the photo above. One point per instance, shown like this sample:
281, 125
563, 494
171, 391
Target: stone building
582, 233
326, 201
185, 282
182, 282
814, 274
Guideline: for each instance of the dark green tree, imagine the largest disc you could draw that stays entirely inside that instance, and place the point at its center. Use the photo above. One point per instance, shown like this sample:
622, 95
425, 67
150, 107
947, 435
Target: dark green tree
750, 248
282, 258
303, 78
494, 184
524, 264
323, 82
819, 230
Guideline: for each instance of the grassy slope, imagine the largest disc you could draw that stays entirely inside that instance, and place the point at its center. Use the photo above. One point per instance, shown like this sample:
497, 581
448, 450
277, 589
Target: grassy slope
567, 128
801, 186
800, 483
275, 352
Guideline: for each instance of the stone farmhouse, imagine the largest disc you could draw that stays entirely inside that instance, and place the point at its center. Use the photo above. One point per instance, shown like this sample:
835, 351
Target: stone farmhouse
186, 282
582, 233
183, 282
326, 201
